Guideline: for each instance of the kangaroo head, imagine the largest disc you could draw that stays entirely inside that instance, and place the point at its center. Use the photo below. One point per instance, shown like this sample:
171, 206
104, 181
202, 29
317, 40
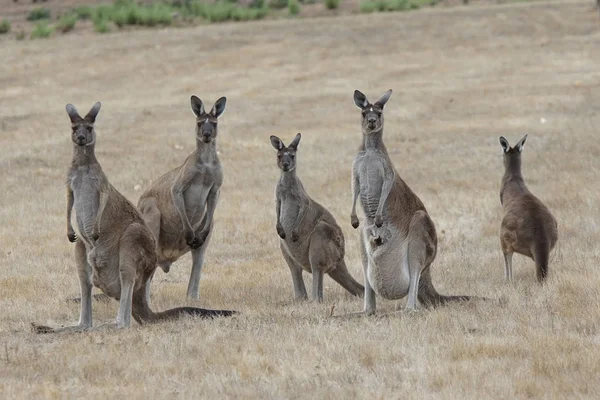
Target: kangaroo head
286, 156
83, 128
372, 114
206, 123
512, 155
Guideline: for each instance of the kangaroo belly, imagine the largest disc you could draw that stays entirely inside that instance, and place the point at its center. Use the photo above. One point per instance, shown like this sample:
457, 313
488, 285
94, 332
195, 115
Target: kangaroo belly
387, 270
86, 208
288, 215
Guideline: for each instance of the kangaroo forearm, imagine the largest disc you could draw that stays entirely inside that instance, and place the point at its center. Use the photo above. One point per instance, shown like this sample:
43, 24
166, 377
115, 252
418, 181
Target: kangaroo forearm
101, 206
278, 209
211, 206
356, 193
385, 192
180, 207
70, 202
301, 214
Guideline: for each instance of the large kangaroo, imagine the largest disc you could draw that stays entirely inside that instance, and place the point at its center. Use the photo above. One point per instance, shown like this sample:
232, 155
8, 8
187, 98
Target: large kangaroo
311, 240
398, 239
528, 227
114, 248
179, 206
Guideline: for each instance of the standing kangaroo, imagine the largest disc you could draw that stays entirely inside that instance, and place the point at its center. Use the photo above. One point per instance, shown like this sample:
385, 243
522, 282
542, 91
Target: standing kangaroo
114, 248
311, 240
528, 227
398, 238
179, 206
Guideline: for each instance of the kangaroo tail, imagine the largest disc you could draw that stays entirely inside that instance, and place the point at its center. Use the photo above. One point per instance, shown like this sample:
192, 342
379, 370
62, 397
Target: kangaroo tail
142, 313
541, 254
341, 275
428, 296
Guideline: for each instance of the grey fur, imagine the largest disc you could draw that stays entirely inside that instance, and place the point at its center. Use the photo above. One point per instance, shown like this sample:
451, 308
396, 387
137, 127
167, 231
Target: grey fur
179, 206
310, 238
398, 238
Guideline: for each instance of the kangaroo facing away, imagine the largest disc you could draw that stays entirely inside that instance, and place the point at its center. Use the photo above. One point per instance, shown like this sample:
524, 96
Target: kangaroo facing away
311, 240
528, 227
179, 206
114, 249
398, 238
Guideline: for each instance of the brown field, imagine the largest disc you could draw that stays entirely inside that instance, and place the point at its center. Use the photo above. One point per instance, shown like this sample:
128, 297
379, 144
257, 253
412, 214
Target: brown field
461, 77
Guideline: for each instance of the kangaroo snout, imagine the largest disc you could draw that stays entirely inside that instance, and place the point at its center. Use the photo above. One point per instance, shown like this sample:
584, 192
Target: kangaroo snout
206, 136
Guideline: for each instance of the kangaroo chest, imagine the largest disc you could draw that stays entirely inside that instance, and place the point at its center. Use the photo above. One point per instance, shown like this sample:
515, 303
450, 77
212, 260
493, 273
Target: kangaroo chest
371, 169
85, 184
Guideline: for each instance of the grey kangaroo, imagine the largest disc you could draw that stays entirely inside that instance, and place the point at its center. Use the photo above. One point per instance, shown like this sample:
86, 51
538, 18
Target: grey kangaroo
311, 240
398, 238
528, 227
179, 206
114, 249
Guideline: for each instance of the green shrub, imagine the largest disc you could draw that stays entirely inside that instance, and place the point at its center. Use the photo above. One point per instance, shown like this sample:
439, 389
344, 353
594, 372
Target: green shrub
102, 13
194, 8
4, 26
248, 14
42, 30
257, 4
278, 4
398, 5
101, 25
219, 11
84, 12
332, 4
368, 6
38, 13
293, 7
67, 22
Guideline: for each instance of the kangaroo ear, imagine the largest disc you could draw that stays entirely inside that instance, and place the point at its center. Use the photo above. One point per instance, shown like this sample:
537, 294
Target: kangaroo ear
504, 144
384, 98
277, 143
520, 144
73, 113
197, 106
295, 142
360, 99
219, 107
93, 113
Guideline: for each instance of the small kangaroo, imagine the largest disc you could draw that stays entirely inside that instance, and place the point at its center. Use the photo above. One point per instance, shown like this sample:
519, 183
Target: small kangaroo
114, 249
311, 240
528, 227
398, 238
179, 206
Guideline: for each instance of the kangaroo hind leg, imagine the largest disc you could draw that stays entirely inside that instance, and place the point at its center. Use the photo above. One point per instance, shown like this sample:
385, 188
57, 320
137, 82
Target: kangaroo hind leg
419, 254
84, 271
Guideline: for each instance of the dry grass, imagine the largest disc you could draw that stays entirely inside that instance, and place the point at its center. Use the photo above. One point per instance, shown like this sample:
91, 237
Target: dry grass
461, 77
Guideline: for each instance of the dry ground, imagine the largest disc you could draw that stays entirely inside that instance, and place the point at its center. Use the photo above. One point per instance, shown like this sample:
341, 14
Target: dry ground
461, 77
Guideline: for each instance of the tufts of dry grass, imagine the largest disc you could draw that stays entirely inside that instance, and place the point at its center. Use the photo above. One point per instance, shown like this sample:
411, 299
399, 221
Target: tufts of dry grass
461, 78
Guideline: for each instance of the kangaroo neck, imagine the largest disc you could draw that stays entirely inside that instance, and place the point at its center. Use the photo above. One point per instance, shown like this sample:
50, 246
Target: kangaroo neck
84, 155
206, 152
289, 178
374, 140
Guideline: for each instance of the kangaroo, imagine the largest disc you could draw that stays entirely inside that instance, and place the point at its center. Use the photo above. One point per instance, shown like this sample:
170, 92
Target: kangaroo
114, 248
398, 238
179, 206
528, 227
311, 240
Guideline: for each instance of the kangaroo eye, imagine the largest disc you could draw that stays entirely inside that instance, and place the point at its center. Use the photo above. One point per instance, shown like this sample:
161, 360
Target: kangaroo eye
292, 156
